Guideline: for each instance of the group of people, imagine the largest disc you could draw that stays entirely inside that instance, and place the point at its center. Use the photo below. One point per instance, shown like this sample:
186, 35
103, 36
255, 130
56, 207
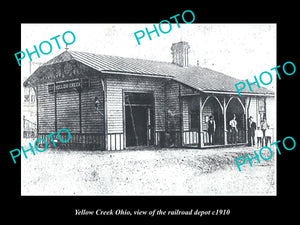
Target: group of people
233, 131
211, 129
263, 134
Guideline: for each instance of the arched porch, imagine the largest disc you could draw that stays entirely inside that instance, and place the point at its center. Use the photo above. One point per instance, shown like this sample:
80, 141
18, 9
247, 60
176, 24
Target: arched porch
212, 107
235, 106
196, 111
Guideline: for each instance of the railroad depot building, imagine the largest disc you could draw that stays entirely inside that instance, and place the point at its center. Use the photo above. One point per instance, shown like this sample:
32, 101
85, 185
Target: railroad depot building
114, 103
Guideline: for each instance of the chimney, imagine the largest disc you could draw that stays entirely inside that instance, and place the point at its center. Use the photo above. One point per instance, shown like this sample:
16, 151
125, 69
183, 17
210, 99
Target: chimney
180, 53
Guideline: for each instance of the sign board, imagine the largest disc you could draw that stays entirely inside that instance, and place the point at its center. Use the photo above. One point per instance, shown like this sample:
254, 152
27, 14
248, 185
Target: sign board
68, 85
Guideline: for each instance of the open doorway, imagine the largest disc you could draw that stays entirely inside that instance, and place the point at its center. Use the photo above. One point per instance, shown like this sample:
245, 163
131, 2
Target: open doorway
139, 119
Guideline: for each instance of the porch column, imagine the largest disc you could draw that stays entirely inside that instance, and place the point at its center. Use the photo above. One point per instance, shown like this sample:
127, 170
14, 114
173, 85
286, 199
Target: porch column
104, 92
225, 121
200, 141
247, 105
181, 117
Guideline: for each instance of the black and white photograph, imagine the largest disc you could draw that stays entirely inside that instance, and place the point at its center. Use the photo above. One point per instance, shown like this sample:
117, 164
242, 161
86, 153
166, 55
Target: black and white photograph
153, 115
159, 116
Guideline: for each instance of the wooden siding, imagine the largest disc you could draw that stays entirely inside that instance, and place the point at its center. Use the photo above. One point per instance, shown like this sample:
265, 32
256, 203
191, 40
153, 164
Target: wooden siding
186, 90
75, 110
67, 110
46, 110
92, 119
115, 87
172, 104
185, 112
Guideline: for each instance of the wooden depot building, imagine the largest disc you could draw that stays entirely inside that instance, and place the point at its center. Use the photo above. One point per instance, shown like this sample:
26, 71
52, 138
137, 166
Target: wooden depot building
114, 103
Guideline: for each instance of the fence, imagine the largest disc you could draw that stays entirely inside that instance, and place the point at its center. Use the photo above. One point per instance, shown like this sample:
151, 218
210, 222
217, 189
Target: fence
85, 141
115, 141
190, 137
29, 130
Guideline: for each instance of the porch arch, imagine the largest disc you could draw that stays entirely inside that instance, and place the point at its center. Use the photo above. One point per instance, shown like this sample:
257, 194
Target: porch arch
212, 96
235, 106
213, 107
233, 97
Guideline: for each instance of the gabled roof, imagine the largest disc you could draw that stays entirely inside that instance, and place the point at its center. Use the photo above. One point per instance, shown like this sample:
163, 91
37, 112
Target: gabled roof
202, 79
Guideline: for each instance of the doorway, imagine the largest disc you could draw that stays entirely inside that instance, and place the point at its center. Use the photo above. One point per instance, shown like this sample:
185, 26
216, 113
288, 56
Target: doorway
139, 119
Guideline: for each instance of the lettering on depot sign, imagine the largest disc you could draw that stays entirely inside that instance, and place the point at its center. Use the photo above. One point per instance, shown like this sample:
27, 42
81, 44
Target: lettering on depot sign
43, 47
239, 163
265, 81
36, 142
140, 34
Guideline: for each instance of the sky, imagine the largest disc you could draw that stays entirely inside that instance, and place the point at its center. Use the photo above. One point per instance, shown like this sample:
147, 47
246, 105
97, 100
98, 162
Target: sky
238, 50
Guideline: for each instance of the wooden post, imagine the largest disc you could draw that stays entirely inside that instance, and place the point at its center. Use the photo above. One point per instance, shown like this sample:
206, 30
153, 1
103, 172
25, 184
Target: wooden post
103, 84
80, 119
55, 108
247, 105
225, 120
200, 141
37, 109
180, 114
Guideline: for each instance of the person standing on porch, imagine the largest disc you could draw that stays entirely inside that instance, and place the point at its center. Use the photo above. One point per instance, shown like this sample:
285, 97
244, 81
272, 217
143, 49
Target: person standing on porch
211, 130
251, 131
263, 127
259, 135
233, 129
269, 135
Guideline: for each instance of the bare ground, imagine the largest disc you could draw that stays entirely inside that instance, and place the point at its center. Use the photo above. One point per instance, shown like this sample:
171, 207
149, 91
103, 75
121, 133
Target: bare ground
146, 172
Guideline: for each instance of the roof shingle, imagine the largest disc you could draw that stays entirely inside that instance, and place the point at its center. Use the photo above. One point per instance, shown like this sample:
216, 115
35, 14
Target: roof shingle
200, 78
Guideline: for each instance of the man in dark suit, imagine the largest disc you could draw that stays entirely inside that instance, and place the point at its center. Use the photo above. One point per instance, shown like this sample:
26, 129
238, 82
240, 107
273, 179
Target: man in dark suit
251, 131
211, 130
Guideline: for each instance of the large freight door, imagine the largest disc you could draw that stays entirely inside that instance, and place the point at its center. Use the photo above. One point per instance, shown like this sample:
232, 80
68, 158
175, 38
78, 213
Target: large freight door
139, 119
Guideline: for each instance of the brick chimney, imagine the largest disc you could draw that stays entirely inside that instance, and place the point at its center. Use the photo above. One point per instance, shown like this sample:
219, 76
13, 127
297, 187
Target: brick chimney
180, 53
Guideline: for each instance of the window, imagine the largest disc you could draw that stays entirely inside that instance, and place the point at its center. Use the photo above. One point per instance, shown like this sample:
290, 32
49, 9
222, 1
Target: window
261, 108
261, 105
32, 98
26, 98
51, 88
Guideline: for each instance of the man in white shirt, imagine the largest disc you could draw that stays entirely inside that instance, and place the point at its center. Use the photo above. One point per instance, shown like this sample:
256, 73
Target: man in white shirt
269, 135
233, 129
259, 136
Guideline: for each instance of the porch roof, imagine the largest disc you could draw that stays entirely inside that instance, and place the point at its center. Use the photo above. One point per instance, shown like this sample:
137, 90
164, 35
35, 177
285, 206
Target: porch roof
199, 78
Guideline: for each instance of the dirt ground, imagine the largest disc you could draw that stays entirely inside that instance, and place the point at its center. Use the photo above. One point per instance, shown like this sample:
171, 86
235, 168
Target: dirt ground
147, 172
